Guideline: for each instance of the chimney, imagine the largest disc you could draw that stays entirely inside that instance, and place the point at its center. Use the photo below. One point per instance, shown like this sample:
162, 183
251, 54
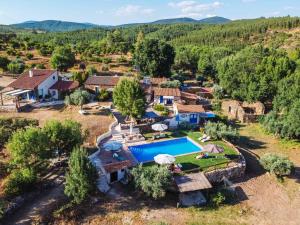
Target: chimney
30, 73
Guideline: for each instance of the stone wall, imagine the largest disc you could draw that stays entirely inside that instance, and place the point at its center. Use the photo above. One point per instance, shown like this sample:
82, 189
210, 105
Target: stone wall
233, 171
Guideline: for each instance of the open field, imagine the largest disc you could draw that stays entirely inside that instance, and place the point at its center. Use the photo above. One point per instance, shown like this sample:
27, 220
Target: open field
94, 124
4, 81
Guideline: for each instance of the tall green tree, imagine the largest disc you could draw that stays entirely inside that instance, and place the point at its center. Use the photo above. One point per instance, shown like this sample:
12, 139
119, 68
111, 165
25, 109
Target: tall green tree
28, 147
129, 98
81, 177
62, 58
154, 57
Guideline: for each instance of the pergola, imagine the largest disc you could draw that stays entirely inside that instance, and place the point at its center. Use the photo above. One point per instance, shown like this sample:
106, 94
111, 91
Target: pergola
14, 93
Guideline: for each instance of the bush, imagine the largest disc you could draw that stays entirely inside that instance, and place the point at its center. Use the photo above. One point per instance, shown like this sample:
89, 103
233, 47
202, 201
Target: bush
16, 67
29, 55
105, 67
106, 60
159, 107
103, 95
92, 70
171, 84
40, 66
220, 130
20, 181
218, 92
122, 59
217, 199
152, 180
278, 165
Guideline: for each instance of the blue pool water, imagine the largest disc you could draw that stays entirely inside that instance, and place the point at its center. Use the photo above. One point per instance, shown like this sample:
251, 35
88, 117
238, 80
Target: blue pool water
180, 146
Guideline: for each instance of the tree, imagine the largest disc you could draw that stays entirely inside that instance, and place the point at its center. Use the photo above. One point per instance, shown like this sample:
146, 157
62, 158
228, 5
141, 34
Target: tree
154, 57
129, 98
187, 58
62, 58
63, 136
4, 61
81, 177
16, 67
276, 164
152, 180
28, 147
220, 130
78, 97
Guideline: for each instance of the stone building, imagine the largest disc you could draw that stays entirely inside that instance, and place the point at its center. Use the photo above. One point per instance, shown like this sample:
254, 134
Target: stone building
243, 111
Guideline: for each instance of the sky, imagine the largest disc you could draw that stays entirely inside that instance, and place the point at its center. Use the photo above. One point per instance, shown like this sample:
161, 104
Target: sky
115, 12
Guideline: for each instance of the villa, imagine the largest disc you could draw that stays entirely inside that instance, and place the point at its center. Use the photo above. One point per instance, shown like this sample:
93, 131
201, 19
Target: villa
33, 86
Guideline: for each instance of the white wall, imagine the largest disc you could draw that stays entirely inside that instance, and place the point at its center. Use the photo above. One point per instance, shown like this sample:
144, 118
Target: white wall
46, 84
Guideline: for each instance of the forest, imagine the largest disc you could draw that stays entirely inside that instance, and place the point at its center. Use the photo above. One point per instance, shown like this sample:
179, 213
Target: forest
249, 60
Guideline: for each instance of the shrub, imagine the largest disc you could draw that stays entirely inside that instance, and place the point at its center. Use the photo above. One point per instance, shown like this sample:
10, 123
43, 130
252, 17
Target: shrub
171, 84
159, 107
20, 181
29, 55
106, 60
220, 130
152, 180
16, 67
218, 92
278, 165
122, 59
103, 95
40, 66
78, 97
105, 67
217, 199
92, 70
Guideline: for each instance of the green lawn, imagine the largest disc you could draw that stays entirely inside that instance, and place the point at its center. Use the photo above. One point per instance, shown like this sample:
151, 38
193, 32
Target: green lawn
189, 162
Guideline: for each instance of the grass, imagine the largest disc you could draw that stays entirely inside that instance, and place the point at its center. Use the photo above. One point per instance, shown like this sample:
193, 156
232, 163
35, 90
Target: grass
189, 162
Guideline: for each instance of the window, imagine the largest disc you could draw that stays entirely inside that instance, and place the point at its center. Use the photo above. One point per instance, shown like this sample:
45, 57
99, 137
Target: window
229, 109
53, 77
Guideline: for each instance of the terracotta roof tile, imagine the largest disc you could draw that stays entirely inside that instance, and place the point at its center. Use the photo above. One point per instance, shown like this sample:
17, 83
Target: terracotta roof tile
167, 92
112, 167
189, 95
190, 108
62, 85
102, 80
24, 81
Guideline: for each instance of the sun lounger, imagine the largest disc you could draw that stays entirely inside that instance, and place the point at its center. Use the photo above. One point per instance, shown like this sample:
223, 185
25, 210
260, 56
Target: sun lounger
205, 139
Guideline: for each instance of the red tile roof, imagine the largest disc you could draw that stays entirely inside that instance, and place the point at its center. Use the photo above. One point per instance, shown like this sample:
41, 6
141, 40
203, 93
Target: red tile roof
167, 92
24, 81
102, 80
190, 108
62, 85
189, 95
112, 167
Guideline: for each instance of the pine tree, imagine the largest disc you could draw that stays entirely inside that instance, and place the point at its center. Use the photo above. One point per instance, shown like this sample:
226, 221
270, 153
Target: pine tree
81, 178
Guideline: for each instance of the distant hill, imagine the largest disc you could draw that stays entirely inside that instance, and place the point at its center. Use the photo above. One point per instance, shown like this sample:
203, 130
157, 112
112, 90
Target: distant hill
57, 26
210, 20
54, 25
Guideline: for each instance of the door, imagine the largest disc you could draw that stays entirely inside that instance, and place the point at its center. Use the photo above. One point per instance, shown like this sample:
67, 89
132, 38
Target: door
114, 177
161, 99
193, 118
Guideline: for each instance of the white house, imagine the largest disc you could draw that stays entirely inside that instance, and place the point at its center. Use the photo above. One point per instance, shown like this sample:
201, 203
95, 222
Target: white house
166, 96
35, 84
192, 114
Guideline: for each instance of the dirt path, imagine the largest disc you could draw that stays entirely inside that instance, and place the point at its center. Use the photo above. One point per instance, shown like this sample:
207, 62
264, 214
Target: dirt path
41, 206
272, 202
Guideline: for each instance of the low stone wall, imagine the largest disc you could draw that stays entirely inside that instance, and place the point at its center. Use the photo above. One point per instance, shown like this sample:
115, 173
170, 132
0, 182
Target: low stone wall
230, 173
236, 170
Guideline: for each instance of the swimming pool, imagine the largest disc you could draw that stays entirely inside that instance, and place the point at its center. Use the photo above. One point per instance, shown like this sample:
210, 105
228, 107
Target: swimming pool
180, 146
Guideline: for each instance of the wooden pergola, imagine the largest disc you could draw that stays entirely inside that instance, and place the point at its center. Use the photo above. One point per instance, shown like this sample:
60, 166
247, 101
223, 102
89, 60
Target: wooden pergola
192, 182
